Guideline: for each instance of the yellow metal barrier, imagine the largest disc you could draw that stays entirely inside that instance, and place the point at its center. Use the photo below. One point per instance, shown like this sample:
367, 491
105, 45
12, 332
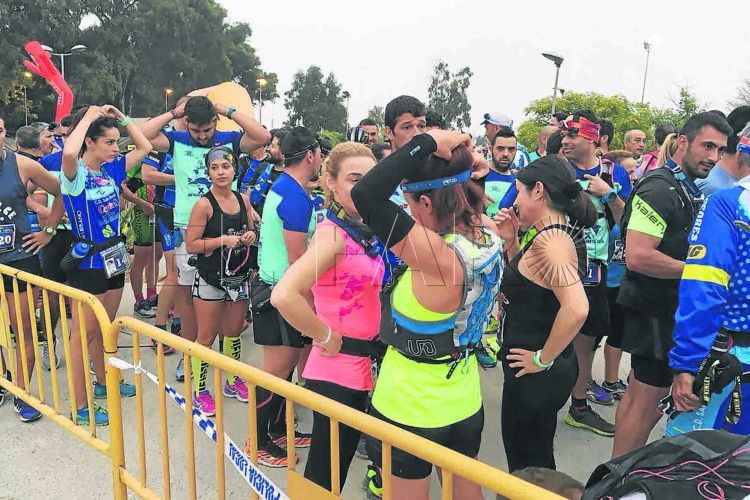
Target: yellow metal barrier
452, 463
40, 401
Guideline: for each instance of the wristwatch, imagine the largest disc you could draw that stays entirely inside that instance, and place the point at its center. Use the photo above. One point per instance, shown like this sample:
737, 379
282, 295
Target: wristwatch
610, 196
230, 111
50, 230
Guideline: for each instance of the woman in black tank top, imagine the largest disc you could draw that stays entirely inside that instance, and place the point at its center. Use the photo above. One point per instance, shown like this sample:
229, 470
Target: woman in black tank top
220, 232
544, 306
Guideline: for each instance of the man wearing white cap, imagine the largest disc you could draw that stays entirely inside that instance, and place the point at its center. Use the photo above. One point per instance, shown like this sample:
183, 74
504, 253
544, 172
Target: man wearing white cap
492, 123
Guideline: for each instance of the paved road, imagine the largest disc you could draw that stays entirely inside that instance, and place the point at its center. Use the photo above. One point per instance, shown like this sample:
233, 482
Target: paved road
42, 461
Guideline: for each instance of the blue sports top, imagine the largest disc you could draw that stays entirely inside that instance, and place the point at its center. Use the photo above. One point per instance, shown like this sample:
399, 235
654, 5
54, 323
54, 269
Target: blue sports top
92, 202
162, 162
52, 162
715, 286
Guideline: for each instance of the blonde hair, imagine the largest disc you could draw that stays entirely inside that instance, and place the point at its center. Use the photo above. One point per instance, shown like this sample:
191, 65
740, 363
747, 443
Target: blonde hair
618, 155
668, 149
332, 164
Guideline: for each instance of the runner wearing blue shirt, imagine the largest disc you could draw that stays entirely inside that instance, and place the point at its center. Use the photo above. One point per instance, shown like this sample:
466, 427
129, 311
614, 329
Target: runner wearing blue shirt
287, 226
607, 186
188, 149
158, 170
500, 183
92, 172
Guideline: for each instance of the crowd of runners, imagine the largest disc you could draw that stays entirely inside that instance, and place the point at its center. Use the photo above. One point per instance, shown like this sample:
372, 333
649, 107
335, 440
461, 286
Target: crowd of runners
385, 271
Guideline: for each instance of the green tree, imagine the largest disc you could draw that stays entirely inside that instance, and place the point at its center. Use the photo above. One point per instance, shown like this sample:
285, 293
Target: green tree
624, 114
136, 49
314, 101
447, 95
377, 113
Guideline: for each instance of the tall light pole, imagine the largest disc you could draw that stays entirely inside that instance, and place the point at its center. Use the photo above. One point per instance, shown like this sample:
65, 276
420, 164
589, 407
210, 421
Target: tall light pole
347, 95
558, 60
75, 49
261, 83
167, 92
647, 46
27, 77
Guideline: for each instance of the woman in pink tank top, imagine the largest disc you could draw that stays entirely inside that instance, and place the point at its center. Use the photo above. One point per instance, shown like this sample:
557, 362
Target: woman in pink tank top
344, 273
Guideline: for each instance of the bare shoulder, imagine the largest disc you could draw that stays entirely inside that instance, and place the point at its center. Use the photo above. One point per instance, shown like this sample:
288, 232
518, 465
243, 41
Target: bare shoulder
552, 258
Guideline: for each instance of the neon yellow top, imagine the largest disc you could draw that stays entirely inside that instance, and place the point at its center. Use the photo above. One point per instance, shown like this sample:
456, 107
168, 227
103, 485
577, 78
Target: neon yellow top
419, 394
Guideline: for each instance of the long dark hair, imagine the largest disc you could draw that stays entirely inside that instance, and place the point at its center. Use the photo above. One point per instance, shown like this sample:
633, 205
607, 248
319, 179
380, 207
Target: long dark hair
97, 127
462, 202
563, 193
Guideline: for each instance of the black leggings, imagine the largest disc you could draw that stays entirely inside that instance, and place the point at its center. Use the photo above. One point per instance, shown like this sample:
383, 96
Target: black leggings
529, 410
318, 468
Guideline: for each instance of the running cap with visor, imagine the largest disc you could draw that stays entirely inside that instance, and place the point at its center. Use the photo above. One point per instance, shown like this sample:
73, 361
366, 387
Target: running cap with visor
497, 118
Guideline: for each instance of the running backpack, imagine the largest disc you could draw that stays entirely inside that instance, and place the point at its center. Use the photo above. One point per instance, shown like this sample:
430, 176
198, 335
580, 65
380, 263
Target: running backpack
704, 464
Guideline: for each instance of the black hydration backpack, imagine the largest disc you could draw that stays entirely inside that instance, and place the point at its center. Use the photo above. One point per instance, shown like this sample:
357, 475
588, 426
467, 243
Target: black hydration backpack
702, 465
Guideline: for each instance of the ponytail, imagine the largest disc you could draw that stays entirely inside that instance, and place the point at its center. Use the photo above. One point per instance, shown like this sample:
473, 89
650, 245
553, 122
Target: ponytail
581, 211
668, 149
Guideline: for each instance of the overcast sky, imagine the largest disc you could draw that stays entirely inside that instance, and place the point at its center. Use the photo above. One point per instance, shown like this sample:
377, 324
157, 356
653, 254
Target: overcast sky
384, 48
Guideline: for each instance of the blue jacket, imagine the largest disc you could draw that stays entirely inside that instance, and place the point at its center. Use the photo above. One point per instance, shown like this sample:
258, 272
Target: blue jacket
715, 285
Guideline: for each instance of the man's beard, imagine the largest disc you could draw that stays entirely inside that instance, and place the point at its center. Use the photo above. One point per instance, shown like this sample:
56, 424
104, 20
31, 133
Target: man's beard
275, 161
500, 167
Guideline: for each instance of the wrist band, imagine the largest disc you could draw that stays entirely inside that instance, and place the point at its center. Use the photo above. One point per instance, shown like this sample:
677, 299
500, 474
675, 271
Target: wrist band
328, 337
126, 121
230, 111
173, 113
538, 361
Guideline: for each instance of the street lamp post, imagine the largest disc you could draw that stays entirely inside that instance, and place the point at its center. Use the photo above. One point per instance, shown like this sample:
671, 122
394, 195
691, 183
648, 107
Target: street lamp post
167, 92
75, 49
558, 60
27, 75
647, 46
347, 95
261, 83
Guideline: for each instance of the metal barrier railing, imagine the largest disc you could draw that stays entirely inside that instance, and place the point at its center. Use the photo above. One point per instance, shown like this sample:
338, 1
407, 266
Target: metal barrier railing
26, 330
452, 463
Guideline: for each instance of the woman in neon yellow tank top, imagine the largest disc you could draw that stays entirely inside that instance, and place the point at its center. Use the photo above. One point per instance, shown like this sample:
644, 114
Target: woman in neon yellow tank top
429, 380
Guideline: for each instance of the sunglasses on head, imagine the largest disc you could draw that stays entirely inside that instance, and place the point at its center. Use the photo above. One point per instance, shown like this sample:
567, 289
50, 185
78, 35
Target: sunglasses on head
571, 132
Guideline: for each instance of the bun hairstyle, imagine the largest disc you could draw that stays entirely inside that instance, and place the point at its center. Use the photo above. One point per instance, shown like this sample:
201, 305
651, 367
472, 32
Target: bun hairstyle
339, 154
462, 202
562, 191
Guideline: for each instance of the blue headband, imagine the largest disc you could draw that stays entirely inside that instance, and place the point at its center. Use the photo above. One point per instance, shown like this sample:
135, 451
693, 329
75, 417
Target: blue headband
442, 182
743, 145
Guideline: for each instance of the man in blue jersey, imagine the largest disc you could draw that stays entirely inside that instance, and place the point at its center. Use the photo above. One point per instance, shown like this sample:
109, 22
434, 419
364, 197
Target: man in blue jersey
493, 122
607, 186
500, 183
713, 303
188, 149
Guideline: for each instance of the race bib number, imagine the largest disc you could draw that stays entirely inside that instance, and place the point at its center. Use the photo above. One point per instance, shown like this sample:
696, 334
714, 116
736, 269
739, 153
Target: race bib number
116, 260
618, 256
594, 274
7, 237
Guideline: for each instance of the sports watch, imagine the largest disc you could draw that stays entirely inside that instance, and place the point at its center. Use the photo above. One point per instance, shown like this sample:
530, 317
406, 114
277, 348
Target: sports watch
52, 231
610, 196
